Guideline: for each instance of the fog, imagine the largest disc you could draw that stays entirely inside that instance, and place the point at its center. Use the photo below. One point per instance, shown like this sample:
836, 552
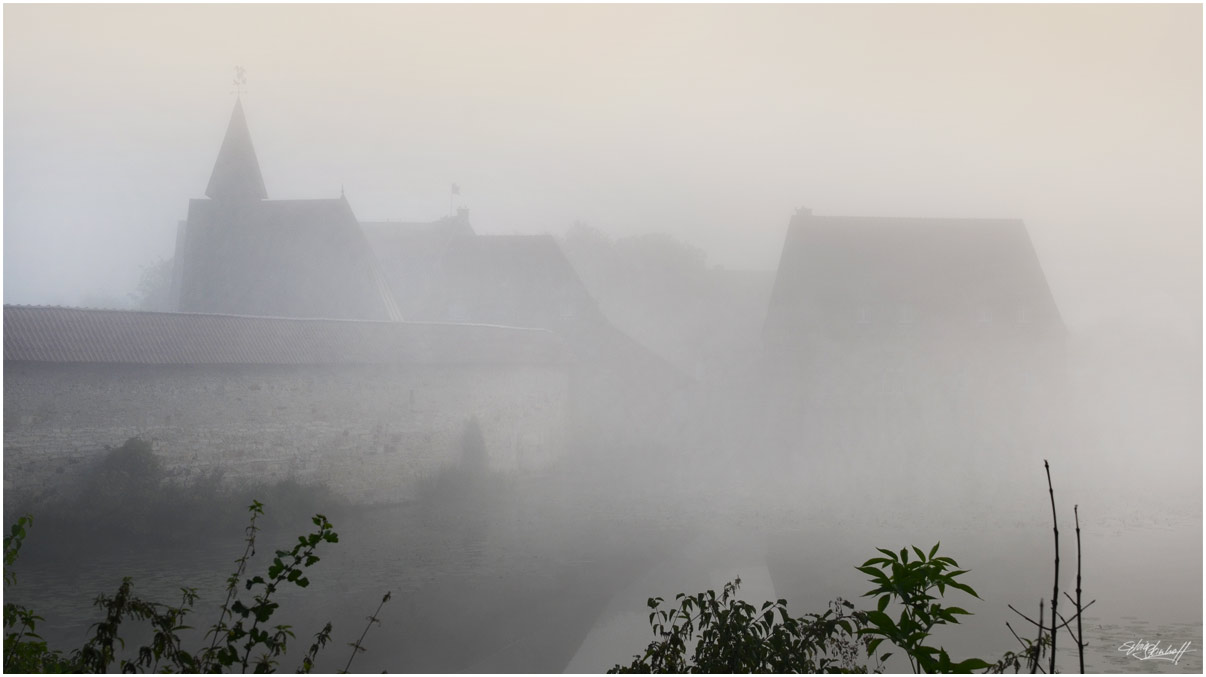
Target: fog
711, 124
745, 373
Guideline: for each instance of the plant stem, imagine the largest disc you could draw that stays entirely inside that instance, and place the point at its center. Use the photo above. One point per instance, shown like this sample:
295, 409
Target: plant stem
356, 648
1055, 585
1038, 643
1080, 634
232, 585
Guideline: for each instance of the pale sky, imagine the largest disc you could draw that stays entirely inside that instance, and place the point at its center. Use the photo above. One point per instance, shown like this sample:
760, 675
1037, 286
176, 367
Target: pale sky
711, 123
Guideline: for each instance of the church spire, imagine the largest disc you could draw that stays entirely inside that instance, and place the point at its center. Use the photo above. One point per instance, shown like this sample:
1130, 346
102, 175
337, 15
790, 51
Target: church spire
236, 176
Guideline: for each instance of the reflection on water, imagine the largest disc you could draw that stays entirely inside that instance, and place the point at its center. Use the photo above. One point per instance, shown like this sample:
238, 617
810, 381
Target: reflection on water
1108, 641
545, 580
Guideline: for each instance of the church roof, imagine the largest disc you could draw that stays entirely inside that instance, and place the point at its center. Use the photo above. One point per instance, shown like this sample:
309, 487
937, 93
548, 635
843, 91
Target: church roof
281, 258
77, 335
845, 276
236, 176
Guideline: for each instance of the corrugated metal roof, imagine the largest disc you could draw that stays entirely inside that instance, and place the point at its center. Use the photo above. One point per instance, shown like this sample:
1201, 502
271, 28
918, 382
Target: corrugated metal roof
55, 334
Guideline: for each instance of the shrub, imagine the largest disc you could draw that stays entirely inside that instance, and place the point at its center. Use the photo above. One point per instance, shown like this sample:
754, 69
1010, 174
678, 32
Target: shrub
141, 502
239, 639
707, 634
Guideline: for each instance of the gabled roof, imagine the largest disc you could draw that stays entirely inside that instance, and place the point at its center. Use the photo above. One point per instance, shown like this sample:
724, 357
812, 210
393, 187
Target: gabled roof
236, 176
281, 258
519, 280
442, 272
845, 276
410, 255
77, 335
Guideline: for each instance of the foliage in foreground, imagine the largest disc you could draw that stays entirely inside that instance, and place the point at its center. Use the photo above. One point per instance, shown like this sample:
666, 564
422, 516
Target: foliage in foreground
240, 639
707, 633
725, 634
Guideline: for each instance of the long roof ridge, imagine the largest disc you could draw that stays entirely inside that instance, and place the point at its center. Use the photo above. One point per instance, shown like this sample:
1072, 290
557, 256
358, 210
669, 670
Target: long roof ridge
274, 318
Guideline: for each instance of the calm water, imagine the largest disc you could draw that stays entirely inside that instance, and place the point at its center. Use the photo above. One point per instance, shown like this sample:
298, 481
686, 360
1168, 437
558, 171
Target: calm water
556, 578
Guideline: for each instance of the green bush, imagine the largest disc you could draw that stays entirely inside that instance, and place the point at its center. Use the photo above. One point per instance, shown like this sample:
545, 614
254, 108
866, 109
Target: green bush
241, 638
142, 502
707, 633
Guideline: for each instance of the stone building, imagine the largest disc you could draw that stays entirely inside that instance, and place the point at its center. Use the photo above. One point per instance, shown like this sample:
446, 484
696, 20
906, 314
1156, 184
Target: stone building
442, 271
845, 278
240, 253
910, 341
367, 407
288, 355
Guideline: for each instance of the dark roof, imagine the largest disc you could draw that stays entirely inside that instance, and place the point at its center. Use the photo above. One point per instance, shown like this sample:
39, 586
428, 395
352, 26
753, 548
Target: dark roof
76, 335
444, 274
845, 276
441, 271
518, 280
410, 254
240, 254
236, 176
281, 258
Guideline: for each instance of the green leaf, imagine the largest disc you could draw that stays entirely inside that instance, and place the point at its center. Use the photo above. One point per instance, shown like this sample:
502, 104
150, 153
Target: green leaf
964, 588
934, 550
882, 621
970, 664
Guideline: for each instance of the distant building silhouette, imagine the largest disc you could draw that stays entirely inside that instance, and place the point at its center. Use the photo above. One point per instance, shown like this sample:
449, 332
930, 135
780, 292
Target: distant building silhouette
844, 278
443, 272
911, 341
242, 254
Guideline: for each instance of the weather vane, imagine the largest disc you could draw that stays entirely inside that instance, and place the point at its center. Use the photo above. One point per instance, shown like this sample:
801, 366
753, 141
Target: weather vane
240, 79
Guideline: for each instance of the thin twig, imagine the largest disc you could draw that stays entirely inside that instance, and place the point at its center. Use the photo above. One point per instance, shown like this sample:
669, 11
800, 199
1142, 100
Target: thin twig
1028, 619
1055, 585
1039, 625
1080, 633
1065, 623
356, 646
1039, 642
232, 583
1015, 635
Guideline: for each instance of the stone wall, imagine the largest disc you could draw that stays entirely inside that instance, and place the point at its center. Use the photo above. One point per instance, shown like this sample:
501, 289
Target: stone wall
369, 432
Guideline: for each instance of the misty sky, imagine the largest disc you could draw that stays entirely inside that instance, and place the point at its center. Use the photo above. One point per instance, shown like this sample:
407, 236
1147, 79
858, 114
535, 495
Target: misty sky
711, 123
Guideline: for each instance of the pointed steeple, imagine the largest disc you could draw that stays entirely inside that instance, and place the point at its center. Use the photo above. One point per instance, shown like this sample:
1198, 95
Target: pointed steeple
236, 176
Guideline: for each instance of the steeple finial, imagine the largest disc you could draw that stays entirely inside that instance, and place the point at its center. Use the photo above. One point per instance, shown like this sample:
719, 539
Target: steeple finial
240, 80
236, 176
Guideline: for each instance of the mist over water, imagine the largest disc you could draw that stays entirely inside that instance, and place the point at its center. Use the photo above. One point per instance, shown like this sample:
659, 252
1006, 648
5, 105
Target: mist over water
554, 309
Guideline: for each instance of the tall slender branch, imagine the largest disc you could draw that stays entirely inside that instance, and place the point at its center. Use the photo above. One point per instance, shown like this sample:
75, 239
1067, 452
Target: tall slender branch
1080, 633
1055, 585
357, 646
1034, 665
